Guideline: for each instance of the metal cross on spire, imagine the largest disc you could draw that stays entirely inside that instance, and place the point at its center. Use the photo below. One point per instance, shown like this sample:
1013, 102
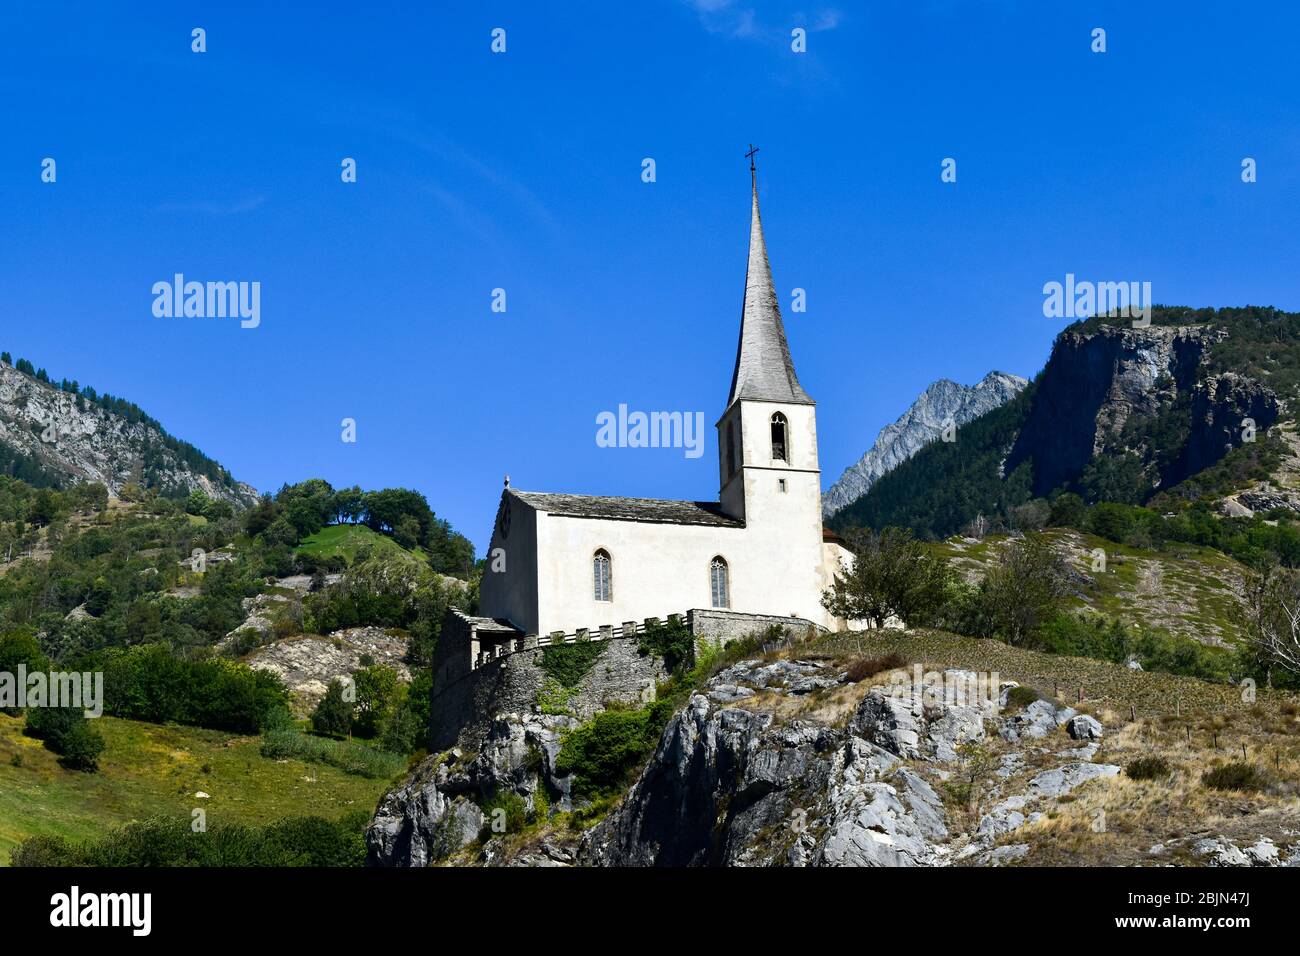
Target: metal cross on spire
753, 175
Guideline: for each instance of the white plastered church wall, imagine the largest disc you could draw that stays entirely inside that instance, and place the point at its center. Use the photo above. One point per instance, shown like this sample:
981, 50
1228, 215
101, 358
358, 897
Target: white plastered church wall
777, 560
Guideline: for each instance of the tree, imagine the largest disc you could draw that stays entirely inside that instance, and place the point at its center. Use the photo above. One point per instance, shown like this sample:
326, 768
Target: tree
68, 733
893, 575
197, 502
1025, 588
376, 696
1274, 601
347, 505
333, 715
44, 508
407, 532
1068, 511
20, 647
1031, 516
402, 731
261, 516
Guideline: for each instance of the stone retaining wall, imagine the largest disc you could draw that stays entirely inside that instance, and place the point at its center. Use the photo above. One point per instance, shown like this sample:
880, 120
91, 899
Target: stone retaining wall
465, 697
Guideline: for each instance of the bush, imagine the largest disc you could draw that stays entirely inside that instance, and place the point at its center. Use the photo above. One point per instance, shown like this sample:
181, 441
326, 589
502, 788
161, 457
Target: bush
1235, 776
1021, 696
349, 756
333, 715
860, 668
602, 753
672, 641
67, 732
1148, 768
293, 841
1091, 635
507, 807
569, 663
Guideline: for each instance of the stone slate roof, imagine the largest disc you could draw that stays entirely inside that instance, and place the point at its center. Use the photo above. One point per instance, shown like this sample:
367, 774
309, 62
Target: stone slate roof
764, 371
630, 509
487, 625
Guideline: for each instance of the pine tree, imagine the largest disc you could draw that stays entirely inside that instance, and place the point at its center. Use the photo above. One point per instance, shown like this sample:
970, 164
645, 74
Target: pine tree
333, 715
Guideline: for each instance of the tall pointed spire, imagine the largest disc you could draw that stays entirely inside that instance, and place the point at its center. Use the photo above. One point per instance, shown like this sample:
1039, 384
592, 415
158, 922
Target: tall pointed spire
764, 371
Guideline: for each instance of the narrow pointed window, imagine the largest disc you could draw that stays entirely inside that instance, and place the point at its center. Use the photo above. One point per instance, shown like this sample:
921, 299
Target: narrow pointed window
719, 584
600, 567
780, 451
731, 450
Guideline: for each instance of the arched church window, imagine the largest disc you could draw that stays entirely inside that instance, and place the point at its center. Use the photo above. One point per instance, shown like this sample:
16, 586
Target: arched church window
731, 449
780, 451
719, 584
600, 567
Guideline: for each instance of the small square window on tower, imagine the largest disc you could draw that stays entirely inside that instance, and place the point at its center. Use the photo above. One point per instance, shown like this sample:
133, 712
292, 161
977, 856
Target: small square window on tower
780, 483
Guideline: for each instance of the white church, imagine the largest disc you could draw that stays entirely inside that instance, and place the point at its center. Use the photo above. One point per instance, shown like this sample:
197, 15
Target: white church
567, 561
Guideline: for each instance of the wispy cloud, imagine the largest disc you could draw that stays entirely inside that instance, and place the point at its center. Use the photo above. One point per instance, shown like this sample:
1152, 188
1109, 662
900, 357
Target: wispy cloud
733, 18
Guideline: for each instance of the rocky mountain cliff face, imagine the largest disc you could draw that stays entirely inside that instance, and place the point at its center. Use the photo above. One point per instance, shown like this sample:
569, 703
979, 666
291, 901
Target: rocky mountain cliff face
943, 402
790, 763
1107, 391
78, 440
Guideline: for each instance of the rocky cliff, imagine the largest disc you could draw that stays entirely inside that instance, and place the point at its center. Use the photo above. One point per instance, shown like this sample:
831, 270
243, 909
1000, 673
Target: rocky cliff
1145, 392
792, 761
943, 402
77, 439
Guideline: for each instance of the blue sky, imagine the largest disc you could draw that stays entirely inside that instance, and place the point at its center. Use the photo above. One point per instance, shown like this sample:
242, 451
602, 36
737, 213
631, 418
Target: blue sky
522, 171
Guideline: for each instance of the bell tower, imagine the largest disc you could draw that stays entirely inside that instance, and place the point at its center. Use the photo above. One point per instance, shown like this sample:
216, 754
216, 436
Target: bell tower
767, 437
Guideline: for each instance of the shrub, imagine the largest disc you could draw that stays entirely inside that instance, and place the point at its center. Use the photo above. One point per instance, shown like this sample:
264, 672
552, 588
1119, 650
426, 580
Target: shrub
569, 663
1090, 635
672, 641
67, 732
293, 841
504, 812
603, 752
1235, 776
333, 715
349, 756
860, 668
1148, 768
1021, 696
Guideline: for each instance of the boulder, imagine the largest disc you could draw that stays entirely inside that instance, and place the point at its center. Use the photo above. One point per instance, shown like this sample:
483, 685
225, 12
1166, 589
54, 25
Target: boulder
906, 722
1035, 722
1084, 727
1058, 782
1220, 852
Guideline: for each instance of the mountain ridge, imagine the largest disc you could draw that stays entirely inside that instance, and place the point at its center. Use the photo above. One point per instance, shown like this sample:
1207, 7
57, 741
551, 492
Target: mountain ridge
64, 434
943, 401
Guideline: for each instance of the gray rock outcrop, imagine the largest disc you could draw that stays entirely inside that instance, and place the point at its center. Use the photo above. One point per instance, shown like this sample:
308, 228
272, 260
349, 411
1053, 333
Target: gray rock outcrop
308, 663
437, 811
80, 441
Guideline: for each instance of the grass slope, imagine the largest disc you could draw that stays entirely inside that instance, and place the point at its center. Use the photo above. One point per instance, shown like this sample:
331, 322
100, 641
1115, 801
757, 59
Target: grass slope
150, 769
347, 540
1187, 590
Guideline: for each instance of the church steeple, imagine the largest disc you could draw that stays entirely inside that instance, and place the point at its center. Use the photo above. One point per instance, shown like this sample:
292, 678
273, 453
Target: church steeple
764, 371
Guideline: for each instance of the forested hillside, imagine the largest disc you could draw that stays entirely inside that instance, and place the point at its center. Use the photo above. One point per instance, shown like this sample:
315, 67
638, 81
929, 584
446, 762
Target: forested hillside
1175, 416
56, 433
